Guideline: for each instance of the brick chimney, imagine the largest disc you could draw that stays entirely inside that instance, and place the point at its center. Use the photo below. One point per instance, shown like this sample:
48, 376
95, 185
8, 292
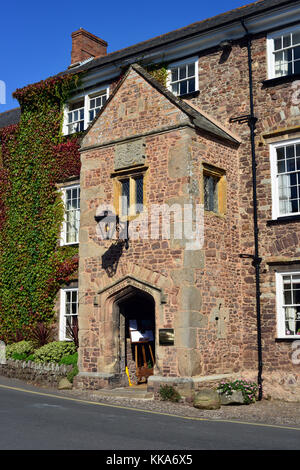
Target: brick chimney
85, 45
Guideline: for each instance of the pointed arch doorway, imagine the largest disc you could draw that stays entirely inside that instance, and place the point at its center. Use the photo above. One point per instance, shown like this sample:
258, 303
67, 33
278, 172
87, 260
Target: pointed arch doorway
128, 298
136, 348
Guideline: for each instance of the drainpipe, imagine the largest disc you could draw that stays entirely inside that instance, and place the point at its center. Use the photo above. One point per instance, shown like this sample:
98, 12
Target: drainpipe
251, 120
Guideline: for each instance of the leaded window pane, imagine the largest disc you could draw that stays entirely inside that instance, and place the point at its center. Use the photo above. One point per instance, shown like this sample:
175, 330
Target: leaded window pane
210, 193
139, 181
125, 196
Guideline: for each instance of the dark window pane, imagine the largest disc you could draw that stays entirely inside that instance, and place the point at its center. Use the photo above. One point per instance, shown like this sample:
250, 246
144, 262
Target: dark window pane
287, 41
280, 153
290, 151
294, 192
297, 66
277, 44
281, 166
139, 181
191, 85
210, 193
290, 164
297, 53
294, 204
293, 179
183, 88
296, 38
174, 75
287, 297
191, 70
182, 72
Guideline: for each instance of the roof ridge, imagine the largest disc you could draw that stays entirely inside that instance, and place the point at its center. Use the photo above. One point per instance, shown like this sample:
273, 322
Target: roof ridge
9, 110
213, 22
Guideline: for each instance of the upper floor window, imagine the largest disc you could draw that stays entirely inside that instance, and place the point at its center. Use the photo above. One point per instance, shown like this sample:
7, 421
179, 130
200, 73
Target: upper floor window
211, 193
214, 189
76, 117
288, 304
80, 113
132, 195
285, 169
95, 104
183, 77
70, 232
284, 53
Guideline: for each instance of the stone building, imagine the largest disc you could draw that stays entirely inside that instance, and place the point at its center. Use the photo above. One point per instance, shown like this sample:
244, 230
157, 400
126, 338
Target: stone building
203, 117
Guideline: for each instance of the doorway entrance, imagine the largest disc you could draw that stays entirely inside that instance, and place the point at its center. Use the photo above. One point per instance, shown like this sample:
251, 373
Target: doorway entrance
137, 336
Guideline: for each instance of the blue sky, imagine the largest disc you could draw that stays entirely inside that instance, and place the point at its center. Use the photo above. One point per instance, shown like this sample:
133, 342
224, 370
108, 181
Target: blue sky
35, 36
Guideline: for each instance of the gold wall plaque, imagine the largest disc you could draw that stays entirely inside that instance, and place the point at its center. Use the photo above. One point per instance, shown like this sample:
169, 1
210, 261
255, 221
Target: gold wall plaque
166, 337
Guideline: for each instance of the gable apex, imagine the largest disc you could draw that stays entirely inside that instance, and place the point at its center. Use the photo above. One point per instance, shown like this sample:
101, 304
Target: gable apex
181, 113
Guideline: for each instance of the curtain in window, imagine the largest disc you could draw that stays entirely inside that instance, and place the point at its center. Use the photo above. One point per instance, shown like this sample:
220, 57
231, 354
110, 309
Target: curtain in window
290, 318
285, 204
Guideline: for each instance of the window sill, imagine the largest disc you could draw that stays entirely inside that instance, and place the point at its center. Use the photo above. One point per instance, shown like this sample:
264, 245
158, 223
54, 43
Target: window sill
280, 80
287, 339
70, 244
189, 95
213, 213
284, 220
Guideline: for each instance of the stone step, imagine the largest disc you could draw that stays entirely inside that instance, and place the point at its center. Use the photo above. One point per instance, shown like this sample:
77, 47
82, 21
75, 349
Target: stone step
131, 393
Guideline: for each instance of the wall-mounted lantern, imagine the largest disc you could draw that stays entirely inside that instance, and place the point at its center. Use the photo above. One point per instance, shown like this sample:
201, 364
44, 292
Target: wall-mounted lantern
109, 224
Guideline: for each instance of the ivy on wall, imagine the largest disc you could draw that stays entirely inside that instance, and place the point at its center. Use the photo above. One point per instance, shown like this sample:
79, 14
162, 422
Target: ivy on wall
159, 72
34, 157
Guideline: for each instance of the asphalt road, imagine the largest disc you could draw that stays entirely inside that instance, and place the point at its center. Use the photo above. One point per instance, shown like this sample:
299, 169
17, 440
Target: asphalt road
39, 421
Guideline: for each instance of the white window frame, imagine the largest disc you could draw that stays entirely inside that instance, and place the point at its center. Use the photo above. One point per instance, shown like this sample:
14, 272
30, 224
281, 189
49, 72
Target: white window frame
190, 60
280, 313
64, 224
62, 317
86, 97
93, 96
274, 180
270, 49
67, 110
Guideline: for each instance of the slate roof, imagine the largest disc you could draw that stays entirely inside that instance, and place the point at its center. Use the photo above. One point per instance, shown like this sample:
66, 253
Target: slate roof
261, 6
193, 29
10, 117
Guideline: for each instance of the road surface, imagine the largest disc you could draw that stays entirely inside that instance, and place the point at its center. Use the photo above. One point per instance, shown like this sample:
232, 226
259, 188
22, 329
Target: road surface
34, 419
